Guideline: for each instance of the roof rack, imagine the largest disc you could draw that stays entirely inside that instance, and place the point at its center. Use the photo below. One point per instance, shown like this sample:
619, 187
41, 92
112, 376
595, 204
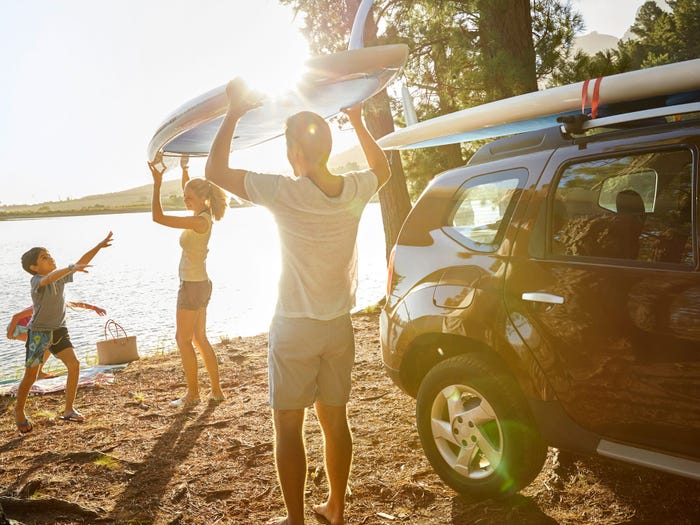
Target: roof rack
579, 124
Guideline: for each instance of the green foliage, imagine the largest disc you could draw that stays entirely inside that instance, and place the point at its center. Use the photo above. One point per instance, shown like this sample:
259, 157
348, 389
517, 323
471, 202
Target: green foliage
583, 66
659, 37
662, 37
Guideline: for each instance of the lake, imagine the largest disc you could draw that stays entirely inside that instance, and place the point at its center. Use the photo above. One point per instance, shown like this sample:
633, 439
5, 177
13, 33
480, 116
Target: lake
136, 280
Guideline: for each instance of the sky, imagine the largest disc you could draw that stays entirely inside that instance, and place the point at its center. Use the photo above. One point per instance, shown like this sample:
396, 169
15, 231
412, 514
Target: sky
608, 17
86, 83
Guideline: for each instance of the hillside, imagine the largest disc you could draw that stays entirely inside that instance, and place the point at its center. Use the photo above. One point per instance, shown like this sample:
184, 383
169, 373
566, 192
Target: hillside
595, 42
348, 160
134, 198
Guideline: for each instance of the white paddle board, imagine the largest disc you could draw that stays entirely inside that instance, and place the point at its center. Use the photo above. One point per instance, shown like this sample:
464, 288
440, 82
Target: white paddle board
329, 84
643, 89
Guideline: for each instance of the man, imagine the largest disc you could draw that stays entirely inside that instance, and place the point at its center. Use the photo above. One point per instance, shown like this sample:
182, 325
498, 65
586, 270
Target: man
311, 348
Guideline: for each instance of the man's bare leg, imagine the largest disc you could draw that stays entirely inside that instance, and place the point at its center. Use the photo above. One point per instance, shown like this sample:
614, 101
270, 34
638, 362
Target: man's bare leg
290, 458
337, 441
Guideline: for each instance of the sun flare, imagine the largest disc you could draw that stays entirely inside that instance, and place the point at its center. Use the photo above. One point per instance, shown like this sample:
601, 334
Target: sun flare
275, 73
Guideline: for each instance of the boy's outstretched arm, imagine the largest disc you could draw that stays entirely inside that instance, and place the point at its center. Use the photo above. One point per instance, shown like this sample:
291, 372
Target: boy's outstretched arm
90, 254
376, 159
217, 169
80, 265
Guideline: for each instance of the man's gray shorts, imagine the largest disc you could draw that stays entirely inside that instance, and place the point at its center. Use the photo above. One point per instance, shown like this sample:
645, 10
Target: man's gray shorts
310, 360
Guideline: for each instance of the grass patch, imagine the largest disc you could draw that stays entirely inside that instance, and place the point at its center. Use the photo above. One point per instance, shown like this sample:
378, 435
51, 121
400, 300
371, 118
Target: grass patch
106, 461
163, 347
374, 308
138, 396
46, 414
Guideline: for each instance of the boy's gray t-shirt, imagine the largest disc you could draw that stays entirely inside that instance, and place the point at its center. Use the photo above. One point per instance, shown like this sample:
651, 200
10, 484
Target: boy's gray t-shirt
49, 303
317, 240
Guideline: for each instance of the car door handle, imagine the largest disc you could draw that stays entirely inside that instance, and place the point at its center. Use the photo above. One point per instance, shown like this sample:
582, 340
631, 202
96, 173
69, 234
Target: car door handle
539, 297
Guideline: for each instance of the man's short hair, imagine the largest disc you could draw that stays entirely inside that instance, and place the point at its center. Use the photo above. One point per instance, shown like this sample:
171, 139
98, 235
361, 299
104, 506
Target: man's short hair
30, 258
311, 134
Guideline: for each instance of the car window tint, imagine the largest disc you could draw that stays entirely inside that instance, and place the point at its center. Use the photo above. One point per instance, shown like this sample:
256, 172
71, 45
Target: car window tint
482, 204
632, 207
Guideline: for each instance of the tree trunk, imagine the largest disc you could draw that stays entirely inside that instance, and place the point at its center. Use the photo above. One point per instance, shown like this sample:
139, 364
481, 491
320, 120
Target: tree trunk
508, 53
393, 197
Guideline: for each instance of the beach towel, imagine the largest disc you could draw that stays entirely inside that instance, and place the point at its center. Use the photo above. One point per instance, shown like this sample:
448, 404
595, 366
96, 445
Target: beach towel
91, 376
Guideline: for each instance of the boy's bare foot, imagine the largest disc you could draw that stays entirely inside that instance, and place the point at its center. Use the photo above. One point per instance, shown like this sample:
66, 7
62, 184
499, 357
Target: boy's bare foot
46, 375
330, 515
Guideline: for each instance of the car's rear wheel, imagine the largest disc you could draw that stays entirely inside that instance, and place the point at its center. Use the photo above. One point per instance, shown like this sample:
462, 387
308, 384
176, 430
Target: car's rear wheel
476, 428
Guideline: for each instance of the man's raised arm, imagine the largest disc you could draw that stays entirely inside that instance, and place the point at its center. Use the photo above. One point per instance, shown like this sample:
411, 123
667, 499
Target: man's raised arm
217, 169
376, 159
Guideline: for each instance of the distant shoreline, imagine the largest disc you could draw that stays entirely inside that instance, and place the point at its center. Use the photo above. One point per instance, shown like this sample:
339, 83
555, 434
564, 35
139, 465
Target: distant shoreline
22, 215
10, 216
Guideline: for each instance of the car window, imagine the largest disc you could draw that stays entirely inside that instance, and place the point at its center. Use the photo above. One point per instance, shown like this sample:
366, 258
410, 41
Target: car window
645, 183
633, 207
483, 206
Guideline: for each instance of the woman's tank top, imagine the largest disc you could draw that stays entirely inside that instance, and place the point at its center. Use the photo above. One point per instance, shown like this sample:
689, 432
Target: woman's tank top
193, 262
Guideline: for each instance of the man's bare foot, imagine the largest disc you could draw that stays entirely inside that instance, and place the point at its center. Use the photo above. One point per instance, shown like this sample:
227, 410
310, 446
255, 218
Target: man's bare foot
331, 516
277, 521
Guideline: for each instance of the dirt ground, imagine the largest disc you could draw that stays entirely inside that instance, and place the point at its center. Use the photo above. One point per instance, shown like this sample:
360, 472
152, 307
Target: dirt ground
138, 461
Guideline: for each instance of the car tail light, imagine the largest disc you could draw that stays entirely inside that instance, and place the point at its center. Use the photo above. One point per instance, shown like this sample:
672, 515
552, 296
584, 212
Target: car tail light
390, 272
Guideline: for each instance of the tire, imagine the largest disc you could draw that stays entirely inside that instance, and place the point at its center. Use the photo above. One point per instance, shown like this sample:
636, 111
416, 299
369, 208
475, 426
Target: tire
476, 428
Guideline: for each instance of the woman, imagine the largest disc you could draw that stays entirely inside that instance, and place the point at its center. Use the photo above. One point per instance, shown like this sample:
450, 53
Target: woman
206, 201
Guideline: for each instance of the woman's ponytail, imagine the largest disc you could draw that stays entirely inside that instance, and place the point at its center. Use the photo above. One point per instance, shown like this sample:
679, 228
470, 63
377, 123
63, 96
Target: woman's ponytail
210, 191
217, 200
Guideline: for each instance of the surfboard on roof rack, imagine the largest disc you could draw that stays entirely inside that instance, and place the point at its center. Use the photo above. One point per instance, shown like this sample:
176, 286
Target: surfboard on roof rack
669, 85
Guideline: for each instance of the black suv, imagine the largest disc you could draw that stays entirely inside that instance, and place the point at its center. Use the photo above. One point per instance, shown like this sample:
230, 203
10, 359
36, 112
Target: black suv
548, 293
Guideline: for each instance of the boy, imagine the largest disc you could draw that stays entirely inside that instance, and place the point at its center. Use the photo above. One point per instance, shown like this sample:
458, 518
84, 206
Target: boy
18, 329
47, 327
311, 343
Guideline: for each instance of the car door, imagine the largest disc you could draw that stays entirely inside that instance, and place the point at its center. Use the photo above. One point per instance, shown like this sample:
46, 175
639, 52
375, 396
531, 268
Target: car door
605, 290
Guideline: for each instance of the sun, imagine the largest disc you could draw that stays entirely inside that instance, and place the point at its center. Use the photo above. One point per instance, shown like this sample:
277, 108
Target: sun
276, 68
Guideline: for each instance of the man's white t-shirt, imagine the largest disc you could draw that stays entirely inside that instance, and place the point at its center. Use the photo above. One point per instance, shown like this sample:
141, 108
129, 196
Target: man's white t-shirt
317, 238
